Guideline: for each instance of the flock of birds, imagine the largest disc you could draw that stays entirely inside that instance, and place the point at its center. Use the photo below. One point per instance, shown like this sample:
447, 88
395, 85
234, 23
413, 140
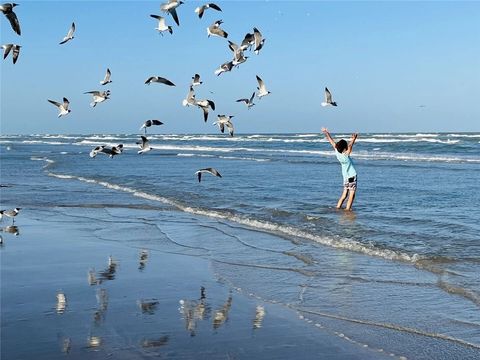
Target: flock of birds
252, 41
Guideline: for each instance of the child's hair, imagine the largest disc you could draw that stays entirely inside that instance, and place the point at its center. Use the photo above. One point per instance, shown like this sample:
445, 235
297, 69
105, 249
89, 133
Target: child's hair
341, 146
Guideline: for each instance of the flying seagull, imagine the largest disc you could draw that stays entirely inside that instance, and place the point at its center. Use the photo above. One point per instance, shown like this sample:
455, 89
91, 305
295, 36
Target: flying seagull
238, 56
225, 120
262, 90
204, 105
144, 145
196, 80
190, 99
10, 213
98, 96
63, 108
215, 30
328, 99
7, 10
259, 40
149, 123
115, 150
162, 26
171, 7
158, 79
106, 80
247, 41
69, 34
211, 171
224, 68
248, 102
201, 9
15, 51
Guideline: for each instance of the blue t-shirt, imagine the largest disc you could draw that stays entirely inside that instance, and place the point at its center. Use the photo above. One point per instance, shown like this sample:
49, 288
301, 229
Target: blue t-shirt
348, 170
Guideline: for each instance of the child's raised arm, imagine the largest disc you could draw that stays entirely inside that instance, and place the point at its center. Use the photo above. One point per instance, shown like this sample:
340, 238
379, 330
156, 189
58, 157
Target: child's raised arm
329, 137
350, 144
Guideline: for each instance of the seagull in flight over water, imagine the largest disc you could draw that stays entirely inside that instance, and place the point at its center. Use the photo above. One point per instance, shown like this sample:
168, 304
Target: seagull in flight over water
215, 30
149, 123
328, 99
7, 10
70, 33
98, 96
262, 90
190, 99
144, 145
248, 102
62, 107
211, 171
225, 120
204, 105
115, 150
159, 79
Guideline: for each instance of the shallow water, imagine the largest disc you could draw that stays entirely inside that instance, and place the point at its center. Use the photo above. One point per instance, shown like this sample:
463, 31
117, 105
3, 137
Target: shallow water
400, 273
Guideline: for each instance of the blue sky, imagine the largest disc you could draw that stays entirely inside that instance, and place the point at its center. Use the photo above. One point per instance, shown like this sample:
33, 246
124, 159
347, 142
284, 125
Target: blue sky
391, 66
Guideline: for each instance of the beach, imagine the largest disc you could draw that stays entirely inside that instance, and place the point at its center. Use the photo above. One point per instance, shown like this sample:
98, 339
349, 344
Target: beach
131, 257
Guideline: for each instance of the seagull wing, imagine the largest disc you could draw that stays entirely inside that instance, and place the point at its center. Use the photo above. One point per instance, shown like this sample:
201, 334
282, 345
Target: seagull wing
199, 10
15, 53
156, 122
57, 104
230, 127
65, 103
252, 97
6, 49
261, 84
106, 79
257, 37
212, 104
71, 31
12, 17
214, 6
95, 93
205, 112
173, 12
328, 96
244, 100
149, 80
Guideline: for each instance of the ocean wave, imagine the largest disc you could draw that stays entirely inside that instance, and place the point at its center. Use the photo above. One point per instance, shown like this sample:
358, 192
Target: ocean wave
262, 225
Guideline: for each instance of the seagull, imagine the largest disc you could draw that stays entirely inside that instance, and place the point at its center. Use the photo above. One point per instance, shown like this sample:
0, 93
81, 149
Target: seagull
149, 123
248, 102
328, 99
106, 80
224, 120
158, 79
15, 51
147, 306
262, 90
200, 10
215, 30
259, 41
69, 34
212, 171
162, 26
144, 145
7, 10
247, 41
10, 213
204, 105
115, 150
224, 68
63, 108
171, 7
190, 99
98, 96
196, 80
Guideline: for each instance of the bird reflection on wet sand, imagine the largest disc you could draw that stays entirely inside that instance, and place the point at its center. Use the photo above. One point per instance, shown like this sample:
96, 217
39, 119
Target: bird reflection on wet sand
149, 343
148, 306
194, 310
66, 345
259, 315
61, 303
11, 229
94, 341
221, 315
143, 260
102, 300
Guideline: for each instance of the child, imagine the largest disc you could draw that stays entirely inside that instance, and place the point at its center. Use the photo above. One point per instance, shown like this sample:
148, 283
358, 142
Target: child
343, 151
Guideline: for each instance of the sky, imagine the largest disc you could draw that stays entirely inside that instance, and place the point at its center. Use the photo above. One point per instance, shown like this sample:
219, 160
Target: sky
391, 67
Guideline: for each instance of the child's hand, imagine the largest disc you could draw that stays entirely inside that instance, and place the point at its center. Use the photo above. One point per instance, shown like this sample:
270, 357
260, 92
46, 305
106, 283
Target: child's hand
324, 130
354, 136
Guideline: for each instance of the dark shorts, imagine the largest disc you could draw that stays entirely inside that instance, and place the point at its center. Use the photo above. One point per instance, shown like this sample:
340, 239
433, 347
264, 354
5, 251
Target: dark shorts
350, 183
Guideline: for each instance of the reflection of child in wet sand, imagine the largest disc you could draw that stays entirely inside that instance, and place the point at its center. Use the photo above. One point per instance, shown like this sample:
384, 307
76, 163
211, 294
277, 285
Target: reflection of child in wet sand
343, 151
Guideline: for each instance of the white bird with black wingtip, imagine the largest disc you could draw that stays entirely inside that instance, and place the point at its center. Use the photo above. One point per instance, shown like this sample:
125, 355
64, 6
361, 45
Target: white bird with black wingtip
106, 80
201, 9
162, 26
248, 102
98, 96
7, 10
171, 7
216, 30
158, 79
10, 213
204, 105
262, 90
328, 99
144, 145
62, 107
225, 120
149, 123
15, 51
69, 36
211, 171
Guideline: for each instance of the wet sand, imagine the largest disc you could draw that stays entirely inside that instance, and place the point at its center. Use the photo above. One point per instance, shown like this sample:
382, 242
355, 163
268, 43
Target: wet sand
69, 292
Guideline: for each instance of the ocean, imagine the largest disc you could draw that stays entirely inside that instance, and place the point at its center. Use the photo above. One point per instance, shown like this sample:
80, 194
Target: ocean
401, 271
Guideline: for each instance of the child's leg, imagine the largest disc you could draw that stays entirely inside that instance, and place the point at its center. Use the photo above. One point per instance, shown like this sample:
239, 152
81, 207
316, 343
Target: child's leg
350, 199
342, 198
